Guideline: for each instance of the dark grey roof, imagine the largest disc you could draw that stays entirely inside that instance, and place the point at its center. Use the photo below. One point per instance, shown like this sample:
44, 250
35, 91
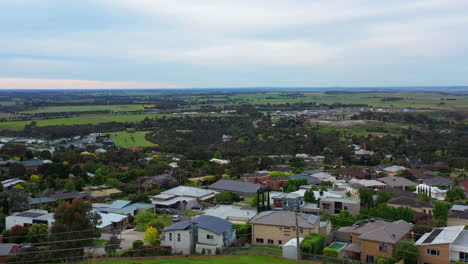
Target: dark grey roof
397, 181
67, 195
438, 181
161, 179
459, 215
183, 225
398, 192
213, 224
310, 180
41, 200
278, 178
236, 186
410, 202
379, 230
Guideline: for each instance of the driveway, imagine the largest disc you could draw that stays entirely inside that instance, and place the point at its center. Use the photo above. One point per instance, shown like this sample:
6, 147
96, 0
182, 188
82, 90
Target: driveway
130, 235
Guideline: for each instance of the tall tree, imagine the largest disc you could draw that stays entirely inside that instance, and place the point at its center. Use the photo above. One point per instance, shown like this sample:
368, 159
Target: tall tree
74, 227
407, 250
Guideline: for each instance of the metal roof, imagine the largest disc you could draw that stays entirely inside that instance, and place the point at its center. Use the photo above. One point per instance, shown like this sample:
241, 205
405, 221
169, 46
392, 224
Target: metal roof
213, 224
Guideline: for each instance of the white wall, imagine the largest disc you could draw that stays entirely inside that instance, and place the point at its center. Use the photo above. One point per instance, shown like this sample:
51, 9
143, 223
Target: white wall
185, 245
12, 220
216, 241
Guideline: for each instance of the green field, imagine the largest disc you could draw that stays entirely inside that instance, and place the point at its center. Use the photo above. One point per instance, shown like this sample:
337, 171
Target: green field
416, 100
125, 139
81, 108
202, 260
83, 120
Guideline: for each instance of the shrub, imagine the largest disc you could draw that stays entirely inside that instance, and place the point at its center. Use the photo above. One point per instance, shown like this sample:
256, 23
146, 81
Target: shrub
203, 252
227, 197
313, 243
217, 252
158, 224
330, 252
137, 244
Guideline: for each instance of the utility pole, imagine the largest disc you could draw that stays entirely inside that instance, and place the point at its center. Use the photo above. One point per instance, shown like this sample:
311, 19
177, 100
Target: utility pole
298, 246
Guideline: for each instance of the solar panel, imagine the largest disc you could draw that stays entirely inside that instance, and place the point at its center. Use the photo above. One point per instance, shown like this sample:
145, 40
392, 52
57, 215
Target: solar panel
432, 236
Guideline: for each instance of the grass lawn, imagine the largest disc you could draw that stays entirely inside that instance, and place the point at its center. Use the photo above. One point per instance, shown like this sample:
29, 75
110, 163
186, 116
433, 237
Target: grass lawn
125, 139
166, 220
99, 243
200, 260
258, 251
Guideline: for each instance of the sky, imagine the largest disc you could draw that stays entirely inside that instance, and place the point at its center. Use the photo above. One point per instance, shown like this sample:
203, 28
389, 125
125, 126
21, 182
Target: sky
232, 43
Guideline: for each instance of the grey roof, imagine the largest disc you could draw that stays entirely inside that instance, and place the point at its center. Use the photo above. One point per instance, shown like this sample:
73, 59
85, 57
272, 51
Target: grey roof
310, 180
438, 181
410, 202
397, 181
183, 225
285, 218
398, 192
161, 178
236, 186
67, 195
30, 214
459, 214
213, 224
379, 230
5, 248
459, 207
41, 200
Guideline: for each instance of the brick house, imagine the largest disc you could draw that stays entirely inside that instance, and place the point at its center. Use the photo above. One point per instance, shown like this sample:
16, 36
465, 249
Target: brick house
371, 239
275, 228
443, 245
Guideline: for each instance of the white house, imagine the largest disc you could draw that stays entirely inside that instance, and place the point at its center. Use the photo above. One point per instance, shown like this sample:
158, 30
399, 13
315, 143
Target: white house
29, 218
445, 245
213, 233
180, 237
203, 234
431, 191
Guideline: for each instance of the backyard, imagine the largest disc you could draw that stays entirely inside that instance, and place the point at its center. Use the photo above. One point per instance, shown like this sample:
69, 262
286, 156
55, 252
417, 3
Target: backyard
196, 260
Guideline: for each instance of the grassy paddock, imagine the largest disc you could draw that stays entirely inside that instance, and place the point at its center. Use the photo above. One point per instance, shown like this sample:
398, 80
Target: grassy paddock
80, 108
125, 139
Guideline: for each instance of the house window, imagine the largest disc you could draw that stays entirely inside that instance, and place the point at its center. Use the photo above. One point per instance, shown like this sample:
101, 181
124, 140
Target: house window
208, 251
209, 236
345, 208
178, 237
259, 240
280, 242
433, 252
383, 247
271, 242
170, 236
301, 230
464, 256
370, 259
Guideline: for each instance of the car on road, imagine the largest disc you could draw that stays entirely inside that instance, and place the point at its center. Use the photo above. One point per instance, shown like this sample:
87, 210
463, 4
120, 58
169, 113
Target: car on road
175, 218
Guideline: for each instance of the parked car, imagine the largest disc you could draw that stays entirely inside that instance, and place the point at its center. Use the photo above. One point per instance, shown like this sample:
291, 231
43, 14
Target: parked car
175, 218
164, 211
197, 208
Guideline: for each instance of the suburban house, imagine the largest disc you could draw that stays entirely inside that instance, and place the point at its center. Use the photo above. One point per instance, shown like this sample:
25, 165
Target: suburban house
68, 196
443, 245
392, 170
181, 197
397, 182
286, 201
413, 203
277, 227
203, 234
123, 207
180, 236
439, 182
8, 184
161, 180
348, 174
431, 191
111, 222
257, 177
232, 213
323, 176
29, 218
8, 250
458, 215
276, 183
101, 192
334, 205
241, 188
371, 239
464, 186
373, 184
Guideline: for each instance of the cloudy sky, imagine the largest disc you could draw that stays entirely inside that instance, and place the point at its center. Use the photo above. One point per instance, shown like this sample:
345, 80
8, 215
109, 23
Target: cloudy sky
232, 43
